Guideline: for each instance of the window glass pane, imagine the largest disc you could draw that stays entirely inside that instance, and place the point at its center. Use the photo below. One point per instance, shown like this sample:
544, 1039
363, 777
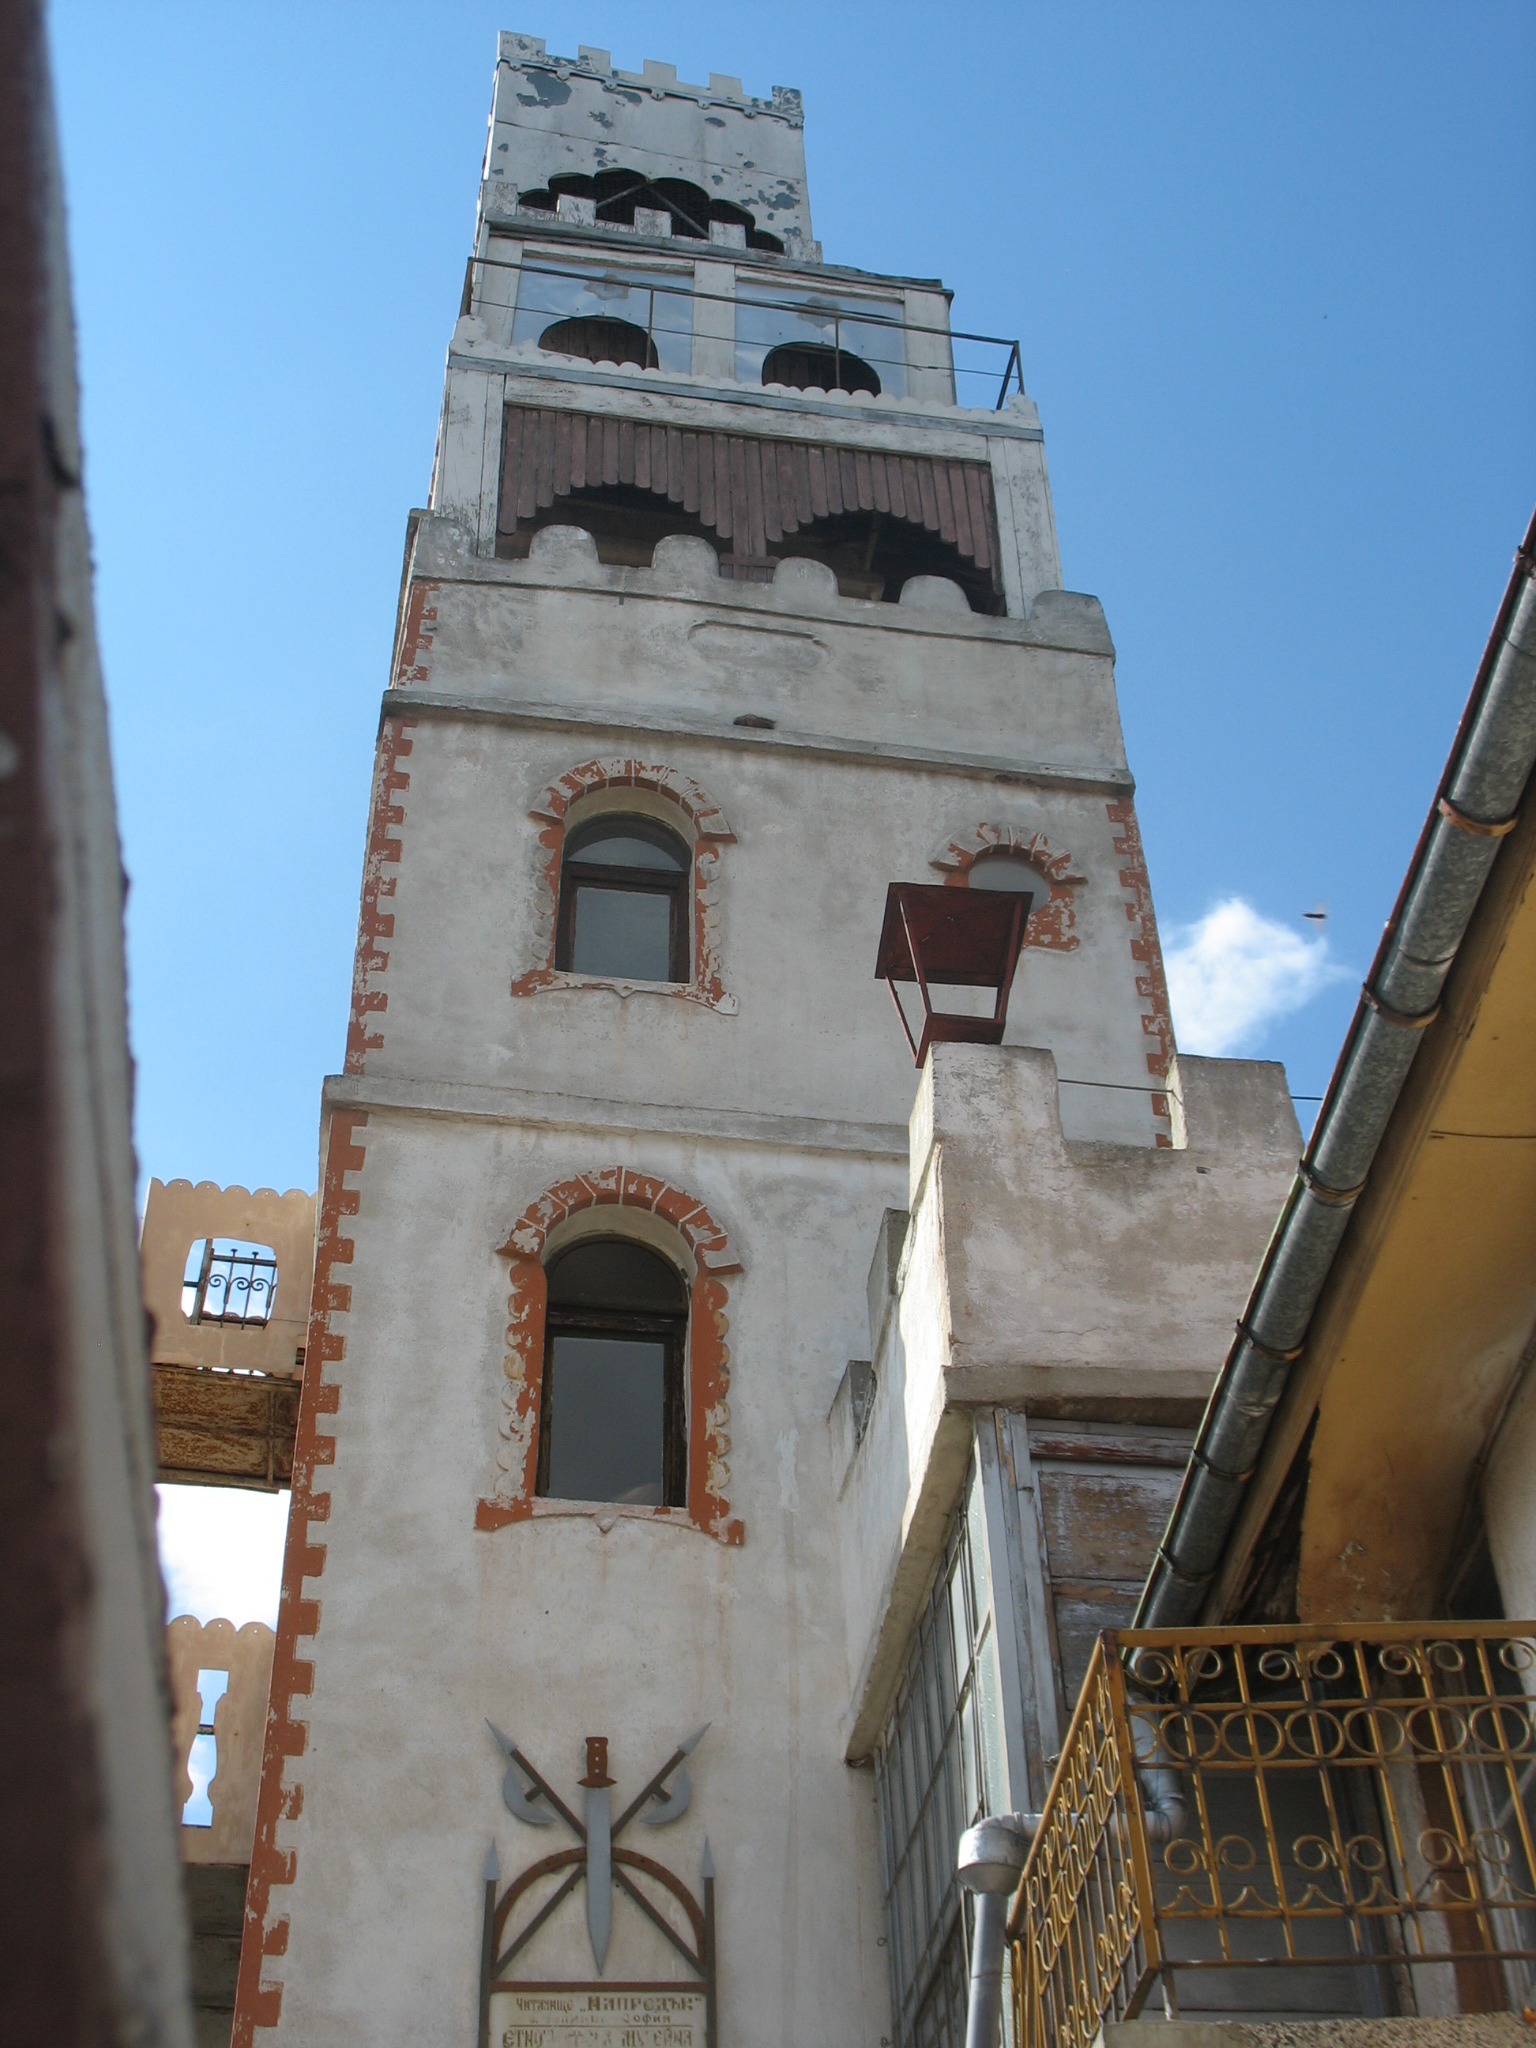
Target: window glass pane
627, 850
767, 317
1007, 871
990, 1704
623, 932
654, 301
940, 1764
607, 1401
614, 1273
971, 1789
976, 1530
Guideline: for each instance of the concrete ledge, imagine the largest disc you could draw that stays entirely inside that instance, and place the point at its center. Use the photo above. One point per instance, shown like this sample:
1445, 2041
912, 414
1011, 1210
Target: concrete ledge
410, 703
1460, 2030
695, 397
475, 1101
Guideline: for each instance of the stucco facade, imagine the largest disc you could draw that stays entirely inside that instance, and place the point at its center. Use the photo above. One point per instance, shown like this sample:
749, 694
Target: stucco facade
1083, 1213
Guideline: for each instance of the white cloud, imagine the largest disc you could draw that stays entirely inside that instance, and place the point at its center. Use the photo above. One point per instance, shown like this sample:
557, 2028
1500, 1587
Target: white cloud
1235, 973
221, 1552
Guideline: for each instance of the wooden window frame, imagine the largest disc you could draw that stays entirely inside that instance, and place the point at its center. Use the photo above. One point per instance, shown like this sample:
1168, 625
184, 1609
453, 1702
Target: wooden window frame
561, 1320
677, 887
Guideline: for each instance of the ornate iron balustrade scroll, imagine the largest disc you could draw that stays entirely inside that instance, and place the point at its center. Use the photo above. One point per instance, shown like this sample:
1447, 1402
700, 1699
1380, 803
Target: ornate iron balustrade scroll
1347, 1810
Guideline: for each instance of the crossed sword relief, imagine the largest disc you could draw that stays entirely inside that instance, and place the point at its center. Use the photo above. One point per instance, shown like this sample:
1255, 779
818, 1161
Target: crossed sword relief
599, 1830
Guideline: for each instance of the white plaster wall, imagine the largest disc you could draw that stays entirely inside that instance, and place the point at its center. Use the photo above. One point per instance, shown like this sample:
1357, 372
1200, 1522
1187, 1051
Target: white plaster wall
801, 896
557, 1631
679, 645
1114, 1267
1509, 1504
1067, 1278
893, 728
553, 114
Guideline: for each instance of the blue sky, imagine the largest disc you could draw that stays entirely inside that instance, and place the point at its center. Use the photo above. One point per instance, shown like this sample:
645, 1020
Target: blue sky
1273, 273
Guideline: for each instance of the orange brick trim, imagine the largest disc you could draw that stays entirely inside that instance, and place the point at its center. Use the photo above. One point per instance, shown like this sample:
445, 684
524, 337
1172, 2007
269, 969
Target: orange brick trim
414, 663
1147, 953
711, 831
708, 1509
1051, 922
281, 1798
370, 962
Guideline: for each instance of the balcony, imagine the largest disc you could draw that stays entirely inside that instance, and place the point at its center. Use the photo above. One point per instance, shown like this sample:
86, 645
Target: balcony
1277, 1822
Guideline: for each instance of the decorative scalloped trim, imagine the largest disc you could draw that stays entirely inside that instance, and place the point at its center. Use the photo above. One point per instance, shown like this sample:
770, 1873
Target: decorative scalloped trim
709, 1446
1050, 923
712, 830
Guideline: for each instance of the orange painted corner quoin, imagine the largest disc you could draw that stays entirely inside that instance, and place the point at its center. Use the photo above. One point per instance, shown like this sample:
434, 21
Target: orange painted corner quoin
1147, 953
708, 1509
712, 831
258, 2004
374, 924
265, 1932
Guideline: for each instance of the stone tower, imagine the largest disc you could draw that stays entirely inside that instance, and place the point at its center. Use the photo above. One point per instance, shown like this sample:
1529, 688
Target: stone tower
681, 1357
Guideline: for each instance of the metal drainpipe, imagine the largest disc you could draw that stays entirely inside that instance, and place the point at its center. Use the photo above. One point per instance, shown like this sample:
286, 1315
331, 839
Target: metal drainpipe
1490, 765
992, 1854
1164, 1809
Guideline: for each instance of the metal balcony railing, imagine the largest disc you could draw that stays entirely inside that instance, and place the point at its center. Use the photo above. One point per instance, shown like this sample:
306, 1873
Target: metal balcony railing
1285, 1820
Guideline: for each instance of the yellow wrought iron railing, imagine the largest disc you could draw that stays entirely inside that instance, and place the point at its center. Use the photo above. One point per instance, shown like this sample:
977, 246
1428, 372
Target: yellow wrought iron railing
1286, 1820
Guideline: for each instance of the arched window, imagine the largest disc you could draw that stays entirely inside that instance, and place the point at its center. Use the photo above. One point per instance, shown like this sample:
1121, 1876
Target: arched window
1009, 871
597, 340
812, 366
624, 901
613, 1415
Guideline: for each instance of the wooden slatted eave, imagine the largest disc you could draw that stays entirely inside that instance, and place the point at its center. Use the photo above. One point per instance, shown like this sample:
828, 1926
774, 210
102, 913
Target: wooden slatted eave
752, 489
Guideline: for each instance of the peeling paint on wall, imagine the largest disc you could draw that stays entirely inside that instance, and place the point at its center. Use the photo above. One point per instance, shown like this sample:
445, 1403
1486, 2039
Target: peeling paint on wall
1147, 953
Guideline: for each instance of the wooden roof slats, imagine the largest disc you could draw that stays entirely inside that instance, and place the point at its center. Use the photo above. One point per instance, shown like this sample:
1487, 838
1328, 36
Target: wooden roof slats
753, 489
942, 500
879, 483
961, 508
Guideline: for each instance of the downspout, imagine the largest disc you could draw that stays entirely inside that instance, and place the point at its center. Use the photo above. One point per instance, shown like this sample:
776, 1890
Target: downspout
1477, 804
991, 1858
1164, 1809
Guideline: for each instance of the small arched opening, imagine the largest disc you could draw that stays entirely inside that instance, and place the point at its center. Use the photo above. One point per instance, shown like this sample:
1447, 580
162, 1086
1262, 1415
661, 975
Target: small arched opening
812, 366
600, 340
615, 194
1008, 871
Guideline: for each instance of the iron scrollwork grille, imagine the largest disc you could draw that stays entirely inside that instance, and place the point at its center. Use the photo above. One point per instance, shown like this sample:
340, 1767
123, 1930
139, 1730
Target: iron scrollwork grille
1352, 1810
1081, 1953
939, 1770
234, 1283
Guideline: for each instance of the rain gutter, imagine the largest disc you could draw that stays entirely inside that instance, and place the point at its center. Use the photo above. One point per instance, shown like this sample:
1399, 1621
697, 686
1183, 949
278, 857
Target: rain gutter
1477, 804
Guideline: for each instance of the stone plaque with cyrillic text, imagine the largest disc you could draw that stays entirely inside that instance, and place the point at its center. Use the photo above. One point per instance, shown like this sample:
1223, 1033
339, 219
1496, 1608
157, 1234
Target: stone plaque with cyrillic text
594, 2016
